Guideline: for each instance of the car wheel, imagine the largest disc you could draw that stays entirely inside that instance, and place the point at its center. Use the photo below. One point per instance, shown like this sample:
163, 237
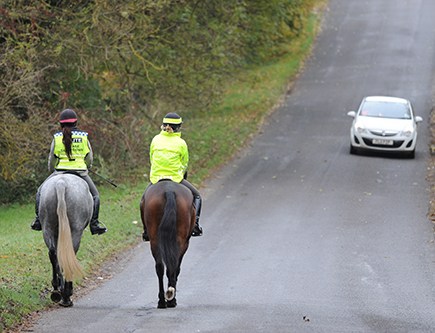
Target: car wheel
352, 150
411, 154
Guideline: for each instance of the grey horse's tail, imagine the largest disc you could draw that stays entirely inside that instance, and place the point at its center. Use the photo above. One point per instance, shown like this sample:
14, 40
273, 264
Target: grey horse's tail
65, 251
168, 244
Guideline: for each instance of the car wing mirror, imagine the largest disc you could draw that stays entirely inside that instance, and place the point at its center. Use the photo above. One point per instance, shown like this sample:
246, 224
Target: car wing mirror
351, 114
418, 119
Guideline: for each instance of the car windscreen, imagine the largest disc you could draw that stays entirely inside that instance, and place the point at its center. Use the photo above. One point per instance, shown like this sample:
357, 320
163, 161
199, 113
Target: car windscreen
385, 110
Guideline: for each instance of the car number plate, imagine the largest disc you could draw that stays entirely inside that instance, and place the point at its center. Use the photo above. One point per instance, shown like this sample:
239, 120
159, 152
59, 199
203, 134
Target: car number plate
383, 142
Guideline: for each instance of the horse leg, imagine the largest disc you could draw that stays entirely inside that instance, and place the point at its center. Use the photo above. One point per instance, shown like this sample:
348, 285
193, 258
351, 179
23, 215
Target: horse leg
56, 280
160, 269
66, 294
172, 285
171, 301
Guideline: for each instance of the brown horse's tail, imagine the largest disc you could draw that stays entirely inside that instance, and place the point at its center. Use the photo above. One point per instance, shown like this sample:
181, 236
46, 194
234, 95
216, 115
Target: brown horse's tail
65, 251
168, 244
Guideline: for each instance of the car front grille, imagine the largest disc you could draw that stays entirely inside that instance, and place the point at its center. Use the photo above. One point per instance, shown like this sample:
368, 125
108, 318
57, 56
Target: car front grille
383, 133
396, 144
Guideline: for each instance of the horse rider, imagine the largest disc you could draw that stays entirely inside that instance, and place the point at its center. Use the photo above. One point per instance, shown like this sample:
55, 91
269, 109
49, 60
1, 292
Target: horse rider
71, 152
169, 157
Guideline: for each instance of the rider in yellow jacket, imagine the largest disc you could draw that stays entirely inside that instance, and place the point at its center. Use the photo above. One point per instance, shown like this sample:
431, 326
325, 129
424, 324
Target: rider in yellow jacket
71, 152
169, 158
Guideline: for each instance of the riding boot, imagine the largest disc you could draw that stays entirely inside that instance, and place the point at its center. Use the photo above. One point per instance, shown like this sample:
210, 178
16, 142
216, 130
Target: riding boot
36, 224
197, 230
96, 228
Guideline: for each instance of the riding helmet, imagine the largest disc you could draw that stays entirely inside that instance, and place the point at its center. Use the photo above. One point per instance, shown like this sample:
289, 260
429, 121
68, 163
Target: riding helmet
67, 116
172, 119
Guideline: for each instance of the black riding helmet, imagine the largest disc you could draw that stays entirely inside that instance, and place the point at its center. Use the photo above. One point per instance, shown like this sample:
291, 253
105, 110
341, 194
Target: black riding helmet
68, 116
173, 120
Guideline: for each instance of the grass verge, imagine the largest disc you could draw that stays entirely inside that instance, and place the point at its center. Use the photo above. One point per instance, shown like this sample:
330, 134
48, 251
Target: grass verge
213, 137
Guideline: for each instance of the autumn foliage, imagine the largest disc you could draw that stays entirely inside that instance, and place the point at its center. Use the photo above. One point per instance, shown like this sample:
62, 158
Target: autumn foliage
121, 65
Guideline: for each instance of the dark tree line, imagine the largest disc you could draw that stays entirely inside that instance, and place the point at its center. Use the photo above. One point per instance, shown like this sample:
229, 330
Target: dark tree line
121, 65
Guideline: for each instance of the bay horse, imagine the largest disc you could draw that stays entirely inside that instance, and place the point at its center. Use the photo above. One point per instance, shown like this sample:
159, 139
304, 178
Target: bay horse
168, 214
65, 209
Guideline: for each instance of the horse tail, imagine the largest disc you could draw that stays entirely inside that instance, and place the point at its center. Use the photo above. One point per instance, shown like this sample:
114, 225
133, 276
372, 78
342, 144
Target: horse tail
65, 251
168, 244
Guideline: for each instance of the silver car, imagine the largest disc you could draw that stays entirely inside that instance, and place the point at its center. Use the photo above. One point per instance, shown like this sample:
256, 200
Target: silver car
384, 124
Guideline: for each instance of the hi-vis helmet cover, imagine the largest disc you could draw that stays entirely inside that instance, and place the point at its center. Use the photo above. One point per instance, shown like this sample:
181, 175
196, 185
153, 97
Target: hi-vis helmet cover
67, 116
173, 119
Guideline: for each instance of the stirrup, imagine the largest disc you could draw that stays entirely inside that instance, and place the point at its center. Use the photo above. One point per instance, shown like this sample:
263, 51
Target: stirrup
197, 231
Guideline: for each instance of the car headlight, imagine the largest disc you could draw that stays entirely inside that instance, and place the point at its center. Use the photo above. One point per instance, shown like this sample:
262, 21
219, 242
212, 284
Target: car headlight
408, 132
359, 128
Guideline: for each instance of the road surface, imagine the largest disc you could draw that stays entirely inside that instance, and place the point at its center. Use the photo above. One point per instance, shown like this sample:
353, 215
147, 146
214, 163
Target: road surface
299, 235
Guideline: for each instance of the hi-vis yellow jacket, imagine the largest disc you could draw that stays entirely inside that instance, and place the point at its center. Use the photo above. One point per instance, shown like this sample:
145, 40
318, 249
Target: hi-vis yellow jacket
79, 149
169, 157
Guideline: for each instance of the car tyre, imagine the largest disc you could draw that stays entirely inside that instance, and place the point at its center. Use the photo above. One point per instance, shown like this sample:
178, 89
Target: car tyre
411, 154
352, 150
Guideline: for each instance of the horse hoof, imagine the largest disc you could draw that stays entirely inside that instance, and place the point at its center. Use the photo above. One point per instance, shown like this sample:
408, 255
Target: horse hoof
172, 303
161, 305
55, 296
66, 304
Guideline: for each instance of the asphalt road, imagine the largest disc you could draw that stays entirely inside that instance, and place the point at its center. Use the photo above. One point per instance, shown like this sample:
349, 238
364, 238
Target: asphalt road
301, 236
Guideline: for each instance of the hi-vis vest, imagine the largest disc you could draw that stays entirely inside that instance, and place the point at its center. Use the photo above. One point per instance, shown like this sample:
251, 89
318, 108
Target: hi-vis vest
79, 150
169, 157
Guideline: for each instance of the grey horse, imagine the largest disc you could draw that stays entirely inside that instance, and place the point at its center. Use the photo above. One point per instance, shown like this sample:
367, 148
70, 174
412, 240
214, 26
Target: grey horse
65, 210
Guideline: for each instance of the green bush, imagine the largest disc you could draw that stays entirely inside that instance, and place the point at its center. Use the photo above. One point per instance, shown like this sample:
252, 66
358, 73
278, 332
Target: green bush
122, 66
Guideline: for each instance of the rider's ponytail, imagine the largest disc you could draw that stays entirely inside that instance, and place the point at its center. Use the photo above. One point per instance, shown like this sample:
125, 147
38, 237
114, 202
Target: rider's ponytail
67, 139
